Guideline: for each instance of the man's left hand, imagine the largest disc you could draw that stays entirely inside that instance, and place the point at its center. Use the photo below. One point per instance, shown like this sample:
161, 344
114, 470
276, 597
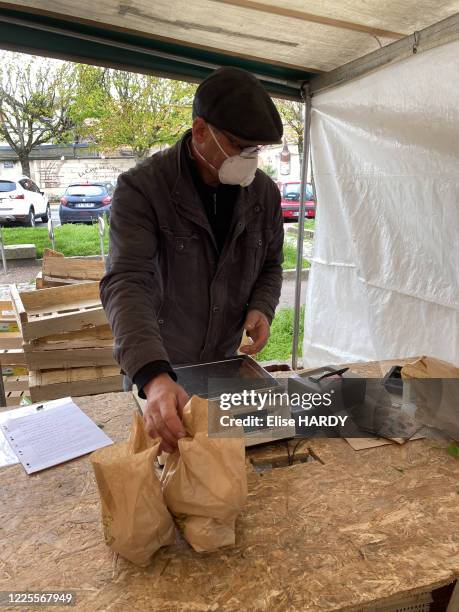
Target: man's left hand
257, 328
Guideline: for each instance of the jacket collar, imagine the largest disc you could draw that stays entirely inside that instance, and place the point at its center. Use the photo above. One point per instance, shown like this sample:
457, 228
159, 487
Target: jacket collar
187, 200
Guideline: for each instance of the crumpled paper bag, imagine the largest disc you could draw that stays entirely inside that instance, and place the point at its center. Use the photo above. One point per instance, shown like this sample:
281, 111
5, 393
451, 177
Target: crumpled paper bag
205, 481
135, 518
435, 385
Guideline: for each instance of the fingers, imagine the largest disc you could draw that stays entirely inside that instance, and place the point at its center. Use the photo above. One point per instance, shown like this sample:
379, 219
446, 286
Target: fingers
182, 399
251, 320
258, 330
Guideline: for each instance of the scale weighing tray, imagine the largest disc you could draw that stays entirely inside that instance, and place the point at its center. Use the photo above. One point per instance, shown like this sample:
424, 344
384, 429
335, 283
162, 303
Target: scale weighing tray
234, 375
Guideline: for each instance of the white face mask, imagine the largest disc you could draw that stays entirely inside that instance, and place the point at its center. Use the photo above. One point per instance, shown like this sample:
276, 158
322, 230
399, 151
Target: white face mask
236, 169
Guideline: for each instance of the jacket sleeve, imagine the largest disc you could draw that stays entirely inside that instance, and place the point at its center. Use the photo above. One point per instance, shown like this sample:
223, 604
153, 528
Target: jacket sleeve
129, 289
266, 292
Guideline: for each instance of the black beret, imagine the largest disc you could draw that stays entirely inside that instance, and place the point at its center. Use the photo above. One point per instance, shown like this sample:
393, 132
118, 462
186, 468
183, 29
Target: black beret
234, 100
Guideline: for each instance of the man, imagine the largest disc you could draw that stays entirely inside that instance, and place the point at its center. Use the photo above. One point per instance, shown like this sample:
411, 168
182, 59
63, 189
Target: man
196, 239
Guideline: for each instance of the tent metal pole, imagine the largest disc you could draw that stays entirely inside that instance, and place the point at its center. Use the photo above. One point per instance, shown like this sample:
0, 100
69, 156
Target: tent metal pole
435, 35
299, 249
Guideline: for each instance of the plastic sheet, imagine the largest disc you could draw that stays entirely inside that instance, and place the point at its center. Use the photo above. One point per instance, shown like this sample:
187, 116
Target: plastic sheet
384, 279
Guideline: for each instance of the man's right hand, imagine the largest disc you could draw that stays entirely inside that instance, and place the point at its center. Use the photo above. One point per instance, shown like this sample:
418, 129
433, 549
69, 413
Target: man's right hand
163, 412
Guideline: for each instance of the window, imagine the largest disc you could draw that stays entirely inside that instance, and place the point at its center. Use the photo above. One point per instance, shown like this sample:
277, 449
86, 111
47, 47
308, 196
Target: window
26, 184
291, 191
7, 186
85, 190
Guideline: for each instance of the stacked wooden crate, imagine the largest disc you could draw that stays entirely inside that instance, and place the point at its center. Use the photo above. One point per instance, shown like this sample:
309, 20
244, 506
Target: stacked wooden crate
12, 360
67, 343
58, 270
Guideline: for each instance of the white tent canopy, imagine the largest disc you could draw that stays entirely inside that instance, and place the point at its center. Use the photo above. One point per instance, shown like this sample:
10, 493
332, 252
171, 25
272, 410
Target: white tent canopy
385, 272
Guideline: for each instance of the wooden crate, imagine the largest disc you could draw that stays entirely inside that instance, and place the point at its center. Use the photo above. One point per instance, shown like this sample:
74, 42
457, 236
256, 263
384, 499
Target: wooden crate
12, 357
16, 383
72, 268
44, 282
91, 347
53, 384
14, 398
60, 309
10, 340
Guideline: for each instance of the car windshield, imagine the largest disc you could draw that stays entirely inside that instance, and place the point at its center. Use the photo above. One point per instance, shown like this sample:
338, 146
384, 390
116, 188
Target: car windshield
7, 186
291, 191
85, 190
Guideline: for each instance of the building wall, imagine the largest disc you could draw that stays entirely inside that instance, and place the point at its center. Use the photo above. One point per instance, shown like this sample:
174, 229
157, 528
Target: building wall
53, 175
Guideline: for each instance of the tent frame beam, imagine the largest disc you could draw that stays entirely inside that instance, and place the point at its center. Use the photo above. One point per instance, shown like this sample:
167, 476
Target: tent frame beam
437, 34
313, 18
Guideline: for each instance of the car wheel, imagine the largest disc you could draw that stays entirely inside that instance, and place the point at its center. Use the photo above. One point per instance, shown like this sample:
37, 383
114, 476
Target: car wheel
30, 221
47, 214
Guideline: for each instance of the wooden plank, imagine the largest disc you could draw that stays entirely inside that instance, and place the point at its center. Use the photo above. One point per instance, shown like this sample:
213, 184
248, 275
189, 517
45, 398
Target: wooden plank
347, 534
80, 268
6, 305
42, 300
13, 398
52, 384
51, 281
10, 340
93, 337
10, 357
70, 358
16, 383
60, 309
39, 281
65, 322
18, 306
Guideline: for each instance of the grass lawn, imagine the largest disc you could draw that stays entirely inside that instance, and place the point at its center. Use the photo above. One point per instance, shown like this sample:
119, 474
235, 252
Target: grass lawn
309, 224
81, 240
70, 239
290, 258
280, 342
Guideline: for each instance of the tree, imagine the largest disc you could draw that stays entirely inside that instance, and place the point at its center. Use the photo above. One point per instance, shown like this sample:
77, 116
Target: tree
292, 114
138, 111
35, 96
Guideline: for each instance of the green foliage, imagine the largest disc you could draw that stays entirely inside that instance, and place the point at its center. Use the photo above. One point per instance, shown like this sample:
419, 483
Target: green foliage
280, 342
269, 170
35, 97
292, 114
116, 108
290, 258
453, 450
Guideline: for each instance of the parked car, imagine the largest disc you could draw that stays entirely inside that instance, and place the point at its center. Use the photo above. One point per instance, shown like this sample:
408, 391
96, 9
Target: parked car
21, 200
85, 202
290, 200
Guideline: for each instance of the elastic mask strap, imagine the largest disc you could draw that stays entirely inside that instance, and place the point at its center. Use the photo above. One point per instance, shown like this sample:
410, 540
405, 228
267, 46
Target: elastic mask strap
218, 144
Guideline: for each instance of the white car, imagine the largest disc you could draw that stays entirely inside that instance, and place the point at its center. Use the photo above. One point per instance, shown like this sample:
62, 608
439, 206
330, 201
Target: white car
21, 200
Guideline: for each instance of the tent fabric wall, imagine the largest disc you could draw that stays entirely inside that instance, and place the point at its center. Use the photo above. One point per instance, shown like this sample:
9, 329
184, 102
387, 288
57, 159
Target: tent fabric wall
384, 279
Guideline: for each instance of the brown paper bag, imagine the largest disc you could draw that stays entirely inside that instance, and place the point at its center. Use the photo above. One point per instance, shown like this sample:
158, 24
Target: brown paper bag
205, 481
135, 518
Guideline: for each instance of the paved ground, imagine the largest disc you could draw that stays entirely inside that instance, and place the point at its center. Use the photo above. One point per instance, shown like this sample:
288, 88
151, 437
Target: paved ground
54, 216
18, 272
287, 298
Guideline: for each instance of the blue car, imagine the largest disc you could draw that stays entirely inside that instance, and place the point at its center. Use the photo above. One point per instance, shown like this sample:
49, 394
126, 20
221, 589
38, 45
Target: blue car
85, 202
